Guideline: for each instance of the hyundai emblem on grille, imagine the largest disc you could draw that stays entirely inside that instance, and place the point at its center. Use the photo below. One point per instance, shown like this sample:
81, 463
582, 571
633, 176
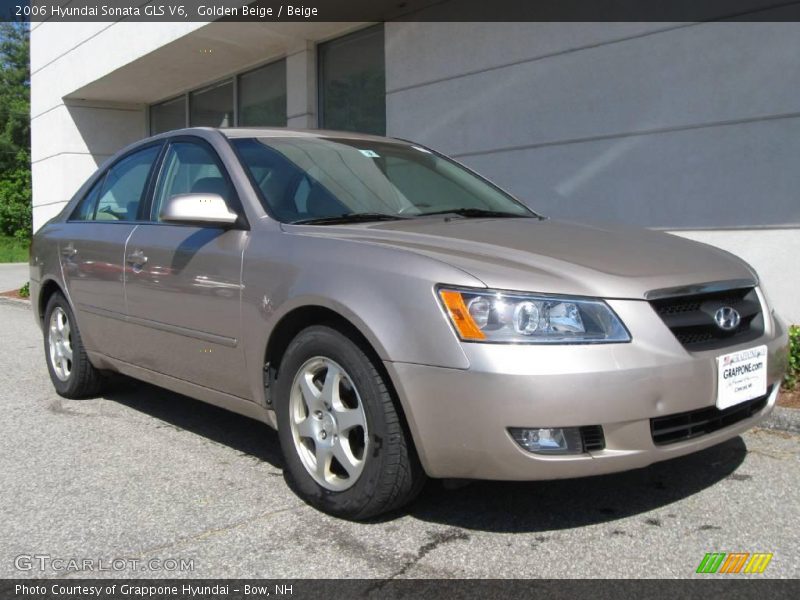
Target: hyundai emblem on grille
727, 318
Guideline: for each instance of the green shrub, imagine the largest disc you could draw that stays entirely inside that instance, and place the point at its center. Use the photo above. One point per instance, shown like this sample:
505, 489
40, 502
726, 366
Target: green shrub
25, 290
792, 377
13, 249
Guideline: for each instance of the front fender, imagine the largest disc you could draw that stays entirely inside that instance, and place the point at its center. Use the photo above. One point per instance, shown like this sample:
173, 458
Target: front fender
387, 294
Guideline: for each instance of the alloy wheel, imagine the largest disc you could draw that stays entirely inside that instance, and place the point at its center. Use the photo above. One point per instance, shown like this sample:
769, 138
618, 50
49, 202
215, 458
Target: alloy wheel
59, 338
328, 423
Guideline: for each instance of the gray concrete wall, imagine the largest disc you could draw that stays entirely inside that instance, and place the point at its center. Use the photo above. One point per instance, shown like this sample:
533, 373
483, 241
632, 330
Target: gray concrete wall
689, 126
674, 126
69, 142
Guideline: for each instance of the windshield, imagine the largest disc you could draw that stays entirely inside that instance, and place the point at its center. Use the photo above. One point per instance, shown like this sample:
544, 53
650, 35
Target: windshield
315, 179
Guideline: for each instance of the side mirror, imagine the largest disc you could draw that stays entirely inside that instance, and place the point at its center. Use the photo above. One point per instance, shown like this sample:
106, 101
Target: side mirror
198, 209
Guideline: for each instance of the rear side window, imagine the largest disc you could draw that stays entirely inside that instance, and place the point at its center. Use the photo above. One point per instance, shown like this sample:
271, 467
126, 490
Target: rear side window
190, 168
117, 195
124, 187
85, 209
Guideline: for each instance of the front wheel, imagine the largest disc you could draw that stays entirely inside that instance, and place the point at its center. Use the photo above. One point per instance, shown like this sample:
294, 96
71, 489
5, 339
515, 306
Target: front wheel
345, 446
72, 374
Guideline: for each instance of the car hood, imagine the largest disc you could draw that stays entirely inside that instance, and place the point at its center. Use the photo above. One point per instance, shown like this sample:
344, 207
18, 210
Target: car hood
551, 256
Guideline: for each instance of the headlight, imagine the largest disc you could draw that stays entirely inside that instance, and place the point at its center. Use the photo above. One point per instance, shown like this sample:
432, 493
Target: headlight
513, 317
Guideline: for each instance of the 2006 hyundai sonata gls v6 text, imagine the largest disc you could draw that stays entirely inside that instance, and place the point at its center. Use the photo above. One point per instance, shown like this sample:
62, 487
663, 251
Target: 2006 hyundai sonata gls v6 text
396, 316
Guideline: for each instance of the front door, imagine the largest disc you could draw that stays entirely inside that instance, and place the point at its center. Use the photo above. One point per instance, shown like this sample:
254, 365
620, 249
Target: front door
183, 286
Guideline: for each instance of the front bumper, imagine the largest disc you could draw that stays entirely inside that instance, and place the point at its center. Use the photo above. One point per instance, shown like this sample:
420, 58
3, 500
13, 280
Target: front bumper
459, 419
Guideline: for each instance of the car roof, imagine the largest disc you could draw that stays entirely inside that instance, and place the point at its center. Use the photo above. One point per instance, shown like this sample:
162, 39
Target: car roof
263, 132
284, 132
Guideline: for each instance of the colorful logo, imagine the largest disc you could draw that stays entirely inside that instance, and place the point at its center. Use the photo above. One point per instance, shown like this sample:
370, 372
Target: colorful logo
734, 562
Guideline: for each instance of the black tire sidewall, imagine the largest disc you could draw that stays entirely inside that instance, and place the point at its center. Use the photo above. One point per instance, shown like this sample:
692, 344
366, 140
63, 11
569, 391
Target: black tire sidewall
329, 343
67, 388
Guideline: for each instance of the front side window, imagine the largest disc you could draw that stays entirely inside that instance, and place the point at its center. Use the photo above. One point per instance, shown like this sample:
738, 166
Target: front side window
302, 179
117, 195
189, 168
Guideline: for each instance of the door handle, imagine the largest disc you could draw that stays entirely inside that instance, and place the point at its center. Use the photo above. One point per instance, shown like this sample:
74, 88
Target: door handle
69, 250
137, 259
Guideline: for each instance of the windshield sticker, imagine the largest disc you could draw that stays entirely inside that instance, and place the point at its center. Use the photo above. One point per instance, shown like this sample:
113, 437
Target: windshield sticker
369, 153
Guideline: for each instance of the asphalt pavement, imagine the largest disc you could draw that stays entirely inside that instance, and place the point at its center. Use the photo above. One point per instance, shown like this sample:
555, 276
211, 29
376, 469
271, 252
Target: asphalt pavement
13, 276
151, 477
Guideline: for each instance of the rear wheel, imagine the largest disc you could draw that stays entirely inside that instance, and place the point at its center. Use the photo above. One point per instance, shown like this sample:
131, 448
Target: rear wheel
72, 374
345, 446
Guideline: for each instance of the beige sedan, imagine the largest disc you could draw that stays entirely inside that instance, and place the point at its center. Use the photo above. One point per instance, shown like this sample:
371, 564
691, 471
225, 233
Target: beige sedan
396, 316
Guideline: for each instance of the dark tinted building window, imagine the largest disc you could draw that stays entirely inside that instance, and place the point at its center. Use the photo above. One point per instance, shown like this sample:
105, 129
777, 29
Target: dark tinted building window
168, 115
262, 96
212, 106
352, 82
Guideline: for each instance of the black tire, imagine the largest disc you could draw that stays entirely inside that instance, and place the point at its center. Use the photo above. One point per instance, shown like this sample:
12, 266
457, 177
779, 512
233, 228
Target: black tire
392, 475
83, 380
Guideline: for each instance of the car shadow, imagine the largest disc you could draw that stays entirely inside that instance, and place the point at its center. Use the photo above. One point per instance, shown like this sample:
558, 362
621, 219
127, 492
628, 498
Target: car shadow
493, 506
517, 507
244, 435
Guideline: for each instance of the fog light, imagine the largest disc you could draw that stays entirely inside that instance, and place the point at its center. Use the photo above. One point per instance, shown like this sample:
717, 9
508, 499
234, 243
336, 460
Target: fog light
549, 440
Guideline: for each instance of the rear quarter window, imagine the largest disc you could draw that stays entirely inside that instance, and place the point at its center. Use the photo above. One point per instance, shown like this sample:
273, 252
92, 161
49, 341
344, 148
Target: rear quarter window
118, 193
86, 207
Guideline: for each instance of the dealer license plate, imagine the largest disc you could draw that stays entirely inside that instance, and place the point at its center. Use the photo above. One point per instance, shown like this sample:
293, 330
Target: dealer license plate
741, 376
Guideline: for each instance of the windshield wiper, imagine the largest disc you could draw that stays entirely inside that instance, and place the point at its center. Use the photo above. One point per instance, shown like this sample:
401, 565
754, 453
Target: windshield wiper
362, 217
476, 213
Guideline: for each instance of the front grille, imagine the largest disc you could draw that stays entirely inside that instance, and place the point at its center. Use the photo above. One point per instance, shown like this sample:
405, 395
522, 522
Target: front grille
695, 423
691, 318
592, 438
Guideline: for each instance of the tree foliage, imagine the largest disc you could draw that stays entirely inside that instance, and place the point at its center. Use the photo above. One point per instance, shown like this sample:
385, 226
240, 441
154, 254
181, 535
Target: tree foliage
15, 131
790, 382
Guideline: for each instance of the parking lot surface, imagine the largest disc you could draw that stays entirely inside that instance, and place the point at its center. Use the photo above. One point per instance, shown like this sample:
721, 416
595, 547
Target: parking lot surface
13, 276
146, 474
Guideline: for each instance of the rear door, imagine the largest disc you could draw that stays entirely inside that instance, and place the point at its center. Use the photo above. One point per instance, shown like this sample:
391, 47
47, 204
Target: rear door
92, 248
183, 288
